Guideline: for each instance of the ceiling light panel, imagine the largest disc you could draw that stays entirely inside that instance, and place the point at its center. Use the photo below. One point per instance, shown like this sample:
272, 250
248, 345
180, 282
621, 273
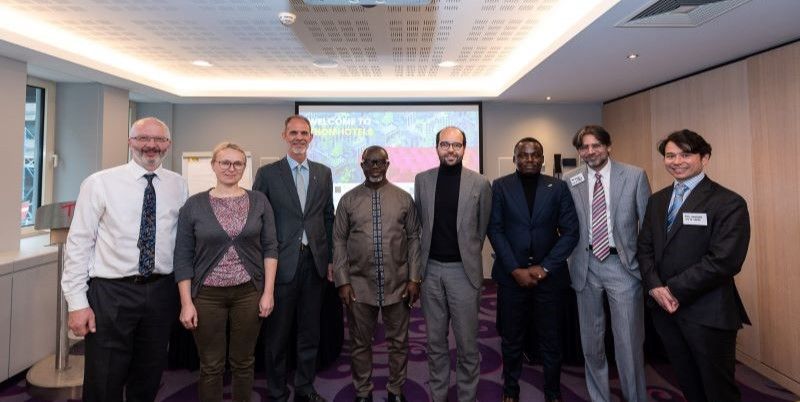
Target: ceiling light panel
392, 50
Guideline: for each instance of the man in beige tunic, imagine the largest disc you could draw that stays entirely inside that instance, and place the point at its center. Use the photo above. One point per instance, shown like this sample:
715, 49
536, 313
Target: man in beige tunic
376, 268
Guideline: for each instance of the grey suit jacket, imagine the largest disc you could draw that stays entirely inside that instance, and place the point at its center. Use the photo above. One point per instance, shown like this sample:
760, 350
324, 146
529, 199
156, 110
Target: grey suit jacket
474, 209
629, 191
276, 181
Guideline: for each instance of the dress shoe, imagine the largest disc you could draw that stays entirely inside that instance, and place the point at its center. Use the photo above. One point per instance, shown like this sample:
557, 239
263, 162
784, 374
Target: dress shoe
312, 397
396, 398
509, 398
364, 398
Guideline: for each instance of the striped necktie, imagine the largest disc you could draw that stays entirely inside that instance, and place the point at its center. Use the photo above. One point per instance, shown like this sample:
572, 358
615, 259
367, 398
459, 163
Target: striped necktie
600, 246
680, 190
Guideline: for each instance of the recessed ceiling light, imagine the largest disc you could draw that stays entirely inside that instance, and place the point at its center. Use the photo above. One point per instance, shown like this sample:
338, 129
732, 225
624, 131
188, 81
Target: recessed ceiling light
548, 98
325, 63
448, 64
202, 63
632, 56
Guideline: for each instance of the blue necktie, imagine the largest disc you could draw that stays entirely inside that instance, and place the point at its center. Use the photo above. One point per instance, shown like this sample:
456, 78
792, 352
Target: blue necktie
680, 189
147, 229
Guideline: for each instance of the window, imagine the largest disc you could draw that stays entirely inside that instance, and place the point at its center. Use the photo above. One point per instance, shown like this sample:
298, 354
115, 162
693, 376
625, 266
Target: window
33, 149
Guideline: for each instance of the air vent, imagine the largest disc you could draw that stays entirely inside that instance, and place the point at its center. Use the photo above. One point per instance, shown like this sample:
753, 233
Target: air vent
678, 13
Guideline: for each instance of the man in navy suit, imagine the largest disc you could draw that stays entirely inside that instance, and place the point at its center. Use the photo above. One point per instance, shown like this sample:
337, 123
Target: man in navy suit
533, 229
693, 241
301, 194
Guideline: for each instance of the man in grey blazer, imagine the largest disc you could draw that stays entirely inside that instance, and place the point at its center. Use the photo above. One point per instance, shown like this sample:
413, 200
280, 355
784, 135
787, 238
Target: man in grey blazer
301, 194
454, 204
610, 198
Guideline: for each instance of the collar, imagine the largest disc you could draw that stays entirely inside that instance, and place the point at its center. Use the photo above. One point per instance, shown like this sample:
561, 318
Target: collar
293, 163
691, 183
138, 171
605, 171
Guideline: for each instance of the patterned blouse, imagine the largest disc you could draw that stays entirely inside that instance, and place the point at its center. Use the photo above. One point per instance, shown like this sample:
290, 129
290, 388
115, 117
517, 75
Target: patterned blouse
231, 213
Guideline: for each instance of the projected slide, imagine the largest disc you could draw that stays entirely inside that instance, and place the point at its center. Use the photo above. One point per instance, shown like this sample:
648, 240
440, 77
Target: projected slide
408, 132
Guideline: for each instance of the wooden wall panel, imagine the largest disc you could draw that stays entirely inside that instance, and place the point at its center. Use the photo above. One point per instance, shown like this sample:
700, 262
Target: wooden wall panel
628, 122
774, 80
750, 113
715, 104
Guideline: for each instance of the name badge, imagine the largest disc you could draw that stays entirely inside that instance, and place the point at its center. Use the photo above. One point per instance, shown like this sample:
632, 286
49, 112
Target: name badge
575, 180
695, 219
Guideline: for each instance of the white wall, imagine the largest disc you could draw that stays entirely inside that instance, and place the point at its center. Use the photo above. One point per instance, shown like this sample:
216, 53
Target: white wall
13, 79
552, 124
91, 134
257, 127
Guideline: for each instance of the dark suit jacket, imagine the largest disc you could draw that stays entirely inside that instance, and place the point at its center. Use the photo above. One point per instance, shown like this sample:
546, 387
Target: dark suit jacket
548, 233
697, 263
276, 181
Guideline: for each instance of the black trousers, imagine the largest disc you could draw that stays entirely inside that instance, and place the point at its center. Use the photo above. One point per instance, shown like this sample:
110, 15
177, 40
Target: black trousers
129, 349
302, 299
704, 358
516, 307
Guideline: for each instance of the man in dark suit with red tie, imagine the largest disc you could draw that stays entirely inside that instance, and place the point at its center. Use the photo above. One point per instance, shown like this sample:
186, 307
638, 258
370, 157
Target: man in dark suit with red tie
693, 241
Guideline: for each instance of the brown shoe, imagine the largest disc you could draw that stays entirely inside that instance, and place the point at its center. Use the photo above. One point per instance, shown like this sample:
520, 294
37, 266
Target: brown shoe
509, 398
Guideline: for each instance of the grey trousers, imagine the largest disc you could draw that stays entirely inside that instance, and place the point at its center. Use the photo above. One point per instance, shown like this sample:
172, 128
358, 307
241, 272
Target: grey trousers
627, 323
361, 319
449, 297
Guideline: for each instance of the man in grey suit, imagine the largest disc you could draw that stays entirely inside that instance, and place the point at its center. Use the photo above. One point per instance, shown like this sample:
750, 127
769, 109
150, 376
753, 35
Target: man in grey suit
610, 198
454, 204
301, 195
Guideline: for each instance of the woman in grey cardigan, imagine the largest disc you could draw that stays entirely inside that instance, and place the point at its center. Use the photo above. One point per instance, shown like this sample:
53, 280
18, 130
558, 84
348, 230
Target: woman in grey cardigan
225, 262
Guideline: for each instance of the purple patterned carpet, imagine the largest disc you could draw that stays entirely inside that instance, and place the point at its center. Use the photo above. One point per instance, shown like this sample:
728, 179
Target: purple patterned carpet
334, 383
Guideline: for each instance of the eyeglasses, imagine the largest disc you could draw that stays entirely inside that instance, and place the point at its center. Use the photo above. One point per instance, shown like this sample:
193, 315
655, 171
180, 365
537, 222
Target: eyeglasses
455, 145
143, 139
238, 165
375, 162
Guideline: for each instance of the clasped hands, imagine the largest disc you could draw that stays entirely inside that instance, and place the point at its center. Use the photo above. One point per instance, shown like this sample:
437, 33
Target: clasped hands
665, 299
529, 277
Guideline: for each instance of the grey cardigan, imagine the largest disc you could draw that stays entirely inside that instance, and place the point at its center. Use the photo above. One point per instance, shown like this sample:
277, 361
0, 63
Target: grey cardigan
201, 241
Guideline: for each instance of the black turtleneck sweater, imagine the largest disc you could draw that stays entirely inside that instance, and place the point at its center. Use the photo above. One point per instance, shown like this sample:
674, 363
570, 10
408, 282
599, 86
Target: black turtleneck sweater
444, 234
529, 183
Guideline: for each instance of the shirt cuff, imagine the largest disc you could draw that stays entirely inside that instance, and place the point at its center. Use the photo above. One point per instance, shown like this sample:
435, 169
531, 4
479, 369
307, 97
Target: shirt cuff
77, 301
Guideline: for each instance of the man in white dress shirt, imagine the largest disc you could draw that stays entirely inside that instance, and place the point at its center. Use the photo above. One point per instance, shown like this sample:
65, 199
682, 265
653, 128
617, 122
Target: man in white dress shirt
118, 279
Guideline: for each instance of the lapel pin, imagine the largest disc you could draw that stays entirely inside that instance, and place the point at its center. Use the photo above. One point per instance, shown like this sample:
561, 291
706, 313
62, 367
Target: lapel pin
550, 185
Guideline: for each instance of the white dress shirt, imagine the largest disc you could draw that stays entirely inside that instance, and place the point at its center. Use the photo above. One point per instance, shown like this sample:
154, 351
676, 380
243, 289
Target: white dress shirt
103, 236
605, 173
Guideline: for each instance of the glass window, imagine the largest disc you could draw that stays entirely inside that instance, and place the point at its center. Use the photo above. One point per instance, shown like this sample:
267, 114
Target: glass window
32, 154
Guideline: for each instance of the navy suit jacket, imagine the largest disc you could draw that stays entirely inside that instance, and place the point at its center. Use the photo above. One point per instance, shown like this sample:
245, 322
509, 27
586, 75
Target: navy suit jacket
697, 262
544, 236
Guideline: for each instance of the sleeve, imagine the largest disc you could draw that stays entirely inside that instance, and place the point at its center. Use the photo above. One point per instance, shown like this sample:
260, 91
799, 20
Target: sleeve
414, 247
329, 216
645, 250
81, 242
497, 229
185, 243
485, 208
269, 237
642, 195
724, 257
341, 233
568, 231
